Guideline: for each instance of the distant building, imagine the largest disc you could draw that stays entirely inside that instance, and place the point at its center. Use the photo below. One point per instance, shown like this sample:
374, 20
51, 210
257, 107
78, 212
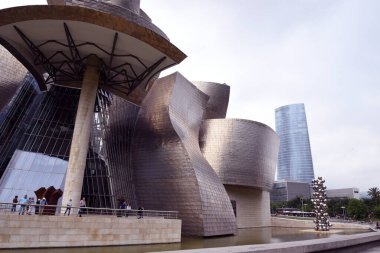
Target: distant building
345, 193
294, 160
287, 190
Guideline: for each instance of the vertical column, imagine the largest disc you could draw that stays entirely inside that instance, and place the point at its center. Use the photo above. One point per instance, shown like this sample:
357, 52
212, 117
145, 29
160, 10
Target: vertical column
81, 135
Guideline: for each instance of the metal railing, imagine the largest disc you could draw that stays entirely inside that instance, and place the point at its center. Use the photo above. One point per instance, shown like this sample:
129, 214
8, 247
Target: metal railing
33, 209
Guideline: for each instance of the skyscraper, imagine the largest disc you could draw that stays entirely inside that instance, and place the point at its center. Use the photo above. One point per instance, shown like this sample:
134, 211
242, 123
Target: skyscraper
294, 160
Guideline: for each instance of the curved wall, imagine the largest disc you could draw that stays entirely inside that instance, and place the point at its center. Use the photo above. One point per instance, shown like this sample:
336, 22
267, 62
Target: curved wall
133, 5
12, 73
242, 152
217, 104
170, 171
252, 206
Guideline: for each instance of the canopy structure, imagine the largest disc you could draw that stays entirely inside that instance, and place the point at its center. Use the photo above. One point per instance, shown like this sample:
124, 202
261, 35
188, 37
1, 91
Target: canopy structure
54, 43
87, 49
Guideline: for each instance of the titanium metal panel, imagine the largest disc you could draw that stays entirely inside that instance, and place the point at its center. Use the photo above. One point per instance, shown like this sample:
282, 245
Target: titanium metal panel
12, 73
169, 169
219, 94
129, 10
118, 138
242, 152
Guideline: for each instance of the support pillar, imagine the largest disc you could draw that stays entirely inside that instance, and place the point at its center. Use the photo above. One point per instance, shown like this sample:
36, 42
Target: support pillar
81, 135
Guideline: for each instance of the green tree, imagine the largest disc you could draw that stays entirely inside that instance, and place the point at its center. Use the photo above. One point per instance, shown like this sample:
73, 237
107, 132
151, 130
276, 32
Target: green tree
357, 209
275, 205
376, 212
374, 194
335, 206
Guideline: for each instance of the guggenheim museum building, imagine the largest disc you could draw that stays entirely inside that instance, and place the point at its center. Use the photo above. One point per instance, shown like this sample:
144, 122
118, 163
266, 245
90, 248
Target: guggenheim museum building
83, 110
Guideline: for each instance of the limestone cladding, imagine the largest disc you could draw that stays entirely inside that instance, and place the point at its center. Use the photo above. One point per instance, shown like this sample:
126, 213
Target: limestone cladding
252, 206
57, 231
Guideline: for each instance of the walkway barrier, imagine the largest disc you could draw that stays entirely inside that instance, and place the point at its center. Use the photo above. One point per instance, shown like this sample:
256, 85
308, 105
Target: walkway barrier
32, 209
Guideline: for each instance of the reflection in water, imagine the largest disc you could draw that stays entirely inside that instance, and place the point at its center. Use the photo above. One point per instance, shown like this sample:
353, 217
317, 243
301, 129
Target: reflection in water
244, 237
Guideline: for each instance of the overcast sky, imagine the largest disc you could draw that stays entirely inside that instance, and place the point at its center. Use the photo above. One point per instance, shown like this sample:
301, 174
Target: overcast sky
323, 53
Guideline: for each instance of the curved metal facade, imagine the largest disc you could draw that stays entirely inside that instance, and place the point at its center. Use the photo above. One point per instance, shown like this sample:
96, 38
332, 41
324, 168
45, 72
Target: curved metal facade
217, 104
12, 72
175, 152
295, 162
242, 152
129, 10
169, 169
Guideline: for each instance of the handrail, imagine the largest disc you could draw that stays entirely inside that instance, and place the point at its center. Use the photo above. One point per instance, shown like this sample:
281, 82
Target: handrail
37, 209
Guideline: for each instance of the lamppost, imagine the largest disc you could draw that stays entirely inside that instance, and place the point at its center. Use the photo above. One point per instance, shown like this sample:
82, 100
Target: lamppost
304, 210
344, 214
303, 215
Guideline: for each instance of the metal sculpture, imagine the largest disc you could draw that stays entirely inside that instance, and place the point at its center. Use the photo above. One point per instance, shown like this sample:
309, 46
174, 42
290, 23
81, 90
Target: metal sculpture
320, 207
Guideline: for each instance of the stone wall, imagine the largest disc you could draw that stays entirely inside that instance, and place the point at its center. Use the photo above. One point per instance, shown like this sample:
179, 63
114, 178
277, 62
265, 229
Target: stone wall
252, 206
295, 223
62, 231
315, 245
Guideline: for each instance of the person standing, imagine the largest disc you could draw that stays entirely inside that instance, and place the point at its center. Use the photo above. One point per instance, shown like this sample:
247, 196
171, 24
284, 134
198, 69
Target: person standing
68, 207
129, 208
38, 202
43, 203
82, 205
28, 205
23, 202
122, 208
140, 212
31, 205
14, 201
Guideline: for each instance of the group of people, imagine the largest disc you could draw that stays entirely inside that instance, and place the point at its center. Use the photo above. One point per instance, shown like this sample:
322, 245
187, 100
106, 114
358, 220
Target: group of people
81, 210
126, 210
28, 204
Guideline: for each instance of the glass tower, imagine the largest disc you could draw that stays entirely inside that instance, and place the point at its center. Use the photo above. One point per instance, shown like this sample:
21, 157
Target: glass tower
294, 160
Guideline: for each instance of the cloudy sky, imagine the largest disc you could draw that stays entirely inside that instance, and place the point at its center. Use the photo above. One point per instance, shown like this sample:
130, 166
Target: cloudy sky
323, 53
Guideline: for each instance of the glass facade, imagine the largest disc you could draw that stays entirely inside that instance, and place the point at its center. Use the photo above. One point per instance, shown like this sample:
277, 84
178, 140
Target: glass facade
37, 133
294, 160
14, 118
